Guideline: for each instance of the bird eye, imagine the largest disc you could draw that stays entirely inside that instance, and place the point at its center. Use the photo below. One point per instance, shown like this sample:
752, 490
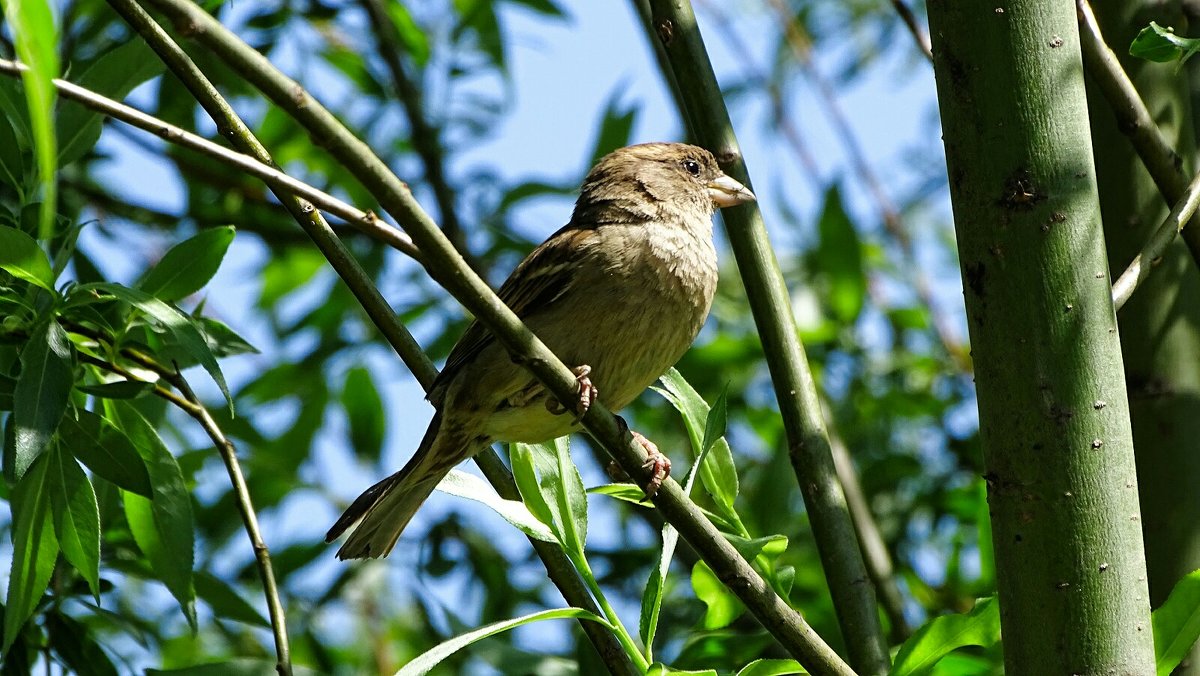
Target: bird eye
692, 167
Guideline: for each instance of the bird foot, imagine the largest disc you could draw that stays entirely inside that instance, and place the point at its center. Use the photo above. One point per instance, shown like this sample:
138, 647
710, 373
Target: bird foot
587, 393
657, 465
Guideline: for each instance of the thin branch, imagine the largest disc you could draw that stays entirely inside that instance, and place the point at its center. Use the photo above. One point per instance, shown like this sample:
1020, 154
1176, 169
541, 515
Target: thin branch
914, 28
1157, 244
447, 266
361, 220
853, 596
423, 135
795, 388
187, 401
892, 221
559, 567
1133, 119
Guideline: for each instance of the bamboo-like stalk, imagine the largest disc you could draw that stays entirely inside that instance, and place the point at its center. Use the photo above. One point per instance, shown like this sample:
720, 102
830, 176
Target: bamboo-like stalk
674, 23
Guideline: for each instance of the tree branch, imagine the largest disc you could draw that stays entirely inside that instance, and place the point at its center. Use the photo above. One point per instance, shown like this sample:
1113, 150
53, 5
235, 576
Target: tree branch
853, 594
1133, 119
1157, 244
447, 266
362, 220
187, 401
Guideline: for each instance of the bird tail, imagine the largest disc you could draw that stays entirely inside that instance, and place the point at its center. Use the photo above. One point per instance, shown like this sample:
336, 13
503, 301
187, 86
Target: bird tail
388, 506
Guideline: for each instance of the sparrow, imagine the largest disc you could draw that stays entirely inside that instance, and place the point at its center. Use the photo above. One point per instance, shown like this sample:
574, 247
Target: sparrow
619, 293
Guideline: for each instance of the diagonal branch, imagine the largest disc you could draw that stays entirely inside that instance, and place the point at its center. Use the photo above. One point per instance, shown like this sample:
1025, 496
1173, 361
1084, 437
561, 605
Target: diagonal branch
448, 268
795, 387
362, 220
425, 137
187, 401
1157, 244
558, 566
1133, 119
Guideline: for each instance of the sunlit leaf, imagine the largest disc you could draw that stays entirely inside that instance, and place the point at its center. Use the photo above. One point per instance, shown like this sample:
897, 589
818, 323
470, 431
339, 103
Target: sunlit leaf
841, 257
76, 515
21, 257
722, 606
35, 33
1177, 624
187, 266
431, 658
471, 487
767, 667
943, 634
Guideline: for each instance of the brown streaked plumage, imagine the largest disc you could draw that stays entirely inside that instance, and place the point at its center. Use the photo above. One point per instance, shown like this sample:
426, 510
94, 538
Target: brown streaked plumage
622, 290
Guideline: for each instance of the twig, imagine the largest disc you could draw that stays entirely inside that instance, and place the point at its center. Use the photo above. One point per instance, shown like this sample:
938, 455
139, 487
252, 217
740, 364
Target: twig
187, 401
892, 221
795, 389
1157, 244
423, 135
448, 268
914, 28
361, 220
1133, 119
373, 303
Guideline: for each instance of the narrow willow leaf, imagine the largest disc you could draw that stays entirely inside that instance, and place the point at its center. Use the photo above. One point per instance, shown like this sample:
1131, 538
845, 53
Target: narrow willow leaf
162, 527
36, 36
12, 164
35, 549
114, 75
941, 635
463, 485
81, 654
225, 600
364, 413
76, 516
187, 266
1177, 624
40, 396
431, 658
722, 606
766, 667
118, 389
841, 256
21, 257
179, 324
718, 472
1155, 43
660, 669
106, 450
561, 489
521, 456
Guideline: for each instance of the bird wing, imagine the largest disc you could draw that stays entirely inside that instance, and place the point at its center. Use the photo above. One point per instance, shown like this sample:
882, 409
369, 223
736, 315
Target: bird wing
541, 279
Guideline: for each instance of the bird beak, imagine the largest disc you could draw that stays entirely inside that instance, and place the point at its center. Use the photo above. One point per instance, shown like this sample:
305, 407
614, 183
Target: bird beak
726, 192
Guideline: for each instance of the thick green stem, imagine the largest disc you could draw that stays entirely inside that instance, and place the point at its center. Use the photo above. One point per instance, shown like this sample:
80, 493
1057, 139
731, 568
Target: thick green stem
1054, 417
674, 24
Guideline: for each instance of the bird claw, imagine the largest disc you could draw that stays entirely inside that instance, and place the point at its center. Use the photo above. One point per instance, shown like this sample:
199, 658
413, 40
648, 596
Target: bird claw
587, 394
657, 465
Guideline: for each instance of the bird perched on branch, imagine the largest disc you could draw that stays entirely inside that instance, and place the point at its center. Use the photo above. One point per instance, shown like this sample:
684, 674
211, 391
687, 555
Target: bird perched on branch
619, 293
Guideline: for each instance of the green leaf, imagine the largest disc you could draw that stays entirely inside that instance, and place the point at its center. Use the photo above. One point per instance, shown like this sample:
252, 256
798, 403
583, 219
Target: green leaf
471, 487
364, 412
40, 397
35, 549
107, 451
616, 126
722, 605
717, 472
180, 325
78, 651
625, 492
12, 164
660, 669
1155, 43
225, 601
431, 658
1177, 624
8, 385
772, 668
114, 75
655, 586
118, 389
246, 666
521, 456
562, 492
841, 259
36, 36
162, 527
223, 341
187, 266
21, 257
941, 635
76, 516
411, 35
